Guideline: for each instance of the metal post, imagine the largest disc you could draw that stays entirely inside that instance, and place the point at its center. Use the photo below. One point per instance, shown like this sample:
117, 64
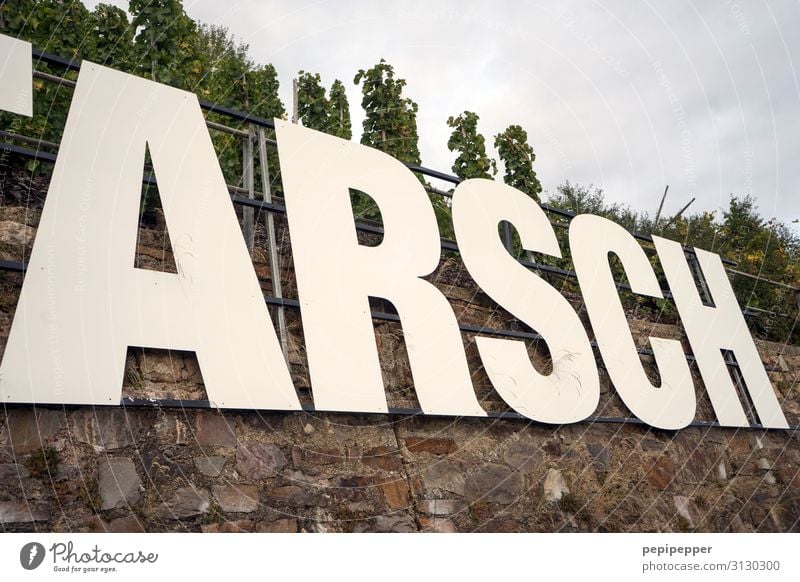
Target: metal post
700, 280
274, 265
678, 214
508, 239
741, 387
660, 208
249, 183
295, 101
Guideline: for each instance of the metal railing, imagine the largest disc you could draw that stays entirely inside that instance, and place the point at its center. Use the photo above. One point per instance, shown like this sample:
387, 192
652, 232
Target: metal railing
254, 139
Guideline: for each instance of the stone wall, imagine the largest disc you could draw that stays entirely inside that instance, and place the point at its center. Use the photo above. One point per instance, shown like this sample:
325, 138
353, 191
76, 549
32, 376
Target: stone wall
135, 469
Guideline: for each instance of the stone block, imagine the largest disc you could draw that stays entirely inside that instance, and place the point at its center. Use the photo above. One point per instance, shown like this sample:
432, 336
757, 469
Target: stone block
494, 483
660, 472
383, 457
395, 493
523, 456
440, 507
106, 428
437, 525
32, 429
215, 430
239, 526
259, 460
12, 474
130, 524
118, 483
236, 498
22, 512
210, 466
295, 496
395, 524
185, 502
169, 430
278, 526
433, 445
446, 475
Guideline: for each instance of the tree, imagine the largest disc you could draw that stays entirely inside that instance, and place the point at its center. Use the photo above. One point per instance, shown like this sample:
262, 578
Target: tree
518, 157
590, 200
697, 230
472, 161
112, 37
215, 67
223, 65
315, 111
60, 27
312, 106
339, 112
766, 248
262, 89
262, 94
390, 125
166, 45
57, 26
390, 122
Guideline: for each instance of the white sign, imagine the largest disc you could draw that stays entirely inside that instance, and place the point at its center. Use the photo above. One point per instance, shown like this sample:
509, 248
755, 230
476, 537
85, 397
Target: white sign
83, 302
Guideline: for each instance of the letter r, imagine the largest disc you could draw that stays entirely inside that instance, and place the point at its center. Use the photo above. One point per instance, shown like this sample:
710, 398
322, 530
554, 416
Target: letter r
336, 276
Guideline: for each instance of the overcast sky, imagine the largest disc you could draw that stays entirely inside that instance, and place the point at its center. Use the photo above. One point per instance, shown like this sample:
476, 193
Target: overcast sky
628, 96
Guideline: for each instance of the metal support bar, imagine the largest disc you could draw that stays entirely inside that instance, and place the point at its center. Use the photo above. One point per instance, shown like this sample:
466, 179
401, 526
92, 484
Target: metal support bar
434, 174
660, 208
508, 239
295, 101
261, 122
679, 213
755, 311
509, 333
700, 280
16, 266
211, 108
54, 79
741, 387
546, 207
226, 129
241, 116
281, 302
763, 280
233, 131
28, 153
39, 143
248, 180
446, 244
274, 263
161, 403
236, 114
43, 57
268, 205
438, 191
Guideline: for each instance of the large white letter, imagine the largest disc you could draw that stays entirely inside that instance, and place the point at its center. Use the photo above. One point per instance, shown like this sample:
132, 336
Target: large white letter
16, 76
571, 392
712, 329
83, 303
336, 276
673, 404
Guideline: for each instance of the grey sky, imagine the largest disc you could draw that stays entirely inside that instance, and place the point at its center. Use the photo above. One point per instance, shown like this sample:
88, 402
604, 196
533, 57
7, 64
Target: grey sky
628, 96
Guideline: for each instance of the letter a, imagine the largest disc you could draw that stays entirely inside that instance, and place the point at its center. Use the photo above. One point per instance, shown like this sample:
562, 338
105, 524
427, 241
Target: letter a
83, 302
